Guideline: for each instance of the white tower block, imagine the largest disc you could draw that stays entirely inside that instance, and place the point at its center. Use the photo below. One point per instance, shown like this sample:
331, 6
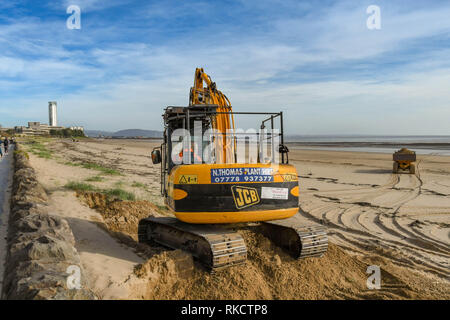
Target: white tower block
53, 121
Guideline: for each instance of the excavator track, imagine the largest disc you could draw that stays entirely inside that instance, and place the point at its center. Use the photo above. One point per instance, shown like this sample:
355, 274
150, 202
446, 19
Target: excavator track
300, 240
216, 248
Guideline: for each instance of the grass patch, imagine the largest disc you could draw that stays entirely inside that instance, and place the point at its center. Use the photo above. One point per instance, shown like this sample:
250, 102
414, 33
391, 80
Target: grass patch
95, 179
95, 166
116, 193
41, 140
23, 153
119, 184
37, 148
102, 169
44, 154
120, 194
80, 186
72, 164
138, 185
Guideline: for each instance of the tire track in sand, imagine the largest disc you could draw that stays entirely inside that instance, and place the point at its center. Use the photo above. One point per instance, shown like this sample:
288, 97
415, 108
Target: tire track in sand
359, 226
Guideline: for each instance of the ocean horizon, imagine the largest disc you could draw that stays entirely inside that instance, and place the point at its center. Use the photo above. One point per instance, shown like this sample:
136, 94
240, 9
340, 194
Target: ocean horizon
369, 138
421, 144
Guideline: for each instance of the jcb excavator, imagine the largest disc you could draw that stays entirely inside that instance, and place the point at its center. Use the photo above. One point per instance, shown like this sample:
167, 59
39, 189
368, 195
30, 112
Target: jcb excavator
213, 193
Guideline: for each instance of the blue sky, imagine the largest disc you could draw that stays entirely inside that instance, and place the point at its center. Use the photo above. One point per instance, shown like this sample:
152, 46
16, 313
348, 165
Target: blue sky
315, 60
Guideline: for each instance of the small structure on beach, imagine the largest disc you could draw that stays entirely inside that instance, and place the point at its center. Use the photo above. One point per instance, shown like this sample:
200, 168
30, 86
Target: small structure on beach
404, 160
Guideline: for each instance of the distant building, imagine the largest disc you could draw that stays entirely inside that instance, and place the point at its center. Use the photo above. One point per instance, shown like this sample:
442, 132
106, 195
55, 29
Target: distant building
77, 128
52, 114
37, 125
36, 129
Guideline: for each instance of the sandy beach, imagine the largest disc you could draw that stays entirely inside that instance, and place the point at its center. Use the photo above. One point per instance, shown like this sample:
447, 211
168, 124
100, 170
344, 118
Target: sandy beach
404, 217
399, 222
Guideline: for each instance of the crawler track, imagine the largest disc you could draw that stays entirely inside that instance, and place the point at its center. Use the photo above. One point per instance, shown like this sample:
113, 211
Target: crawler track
300, 240
216, 248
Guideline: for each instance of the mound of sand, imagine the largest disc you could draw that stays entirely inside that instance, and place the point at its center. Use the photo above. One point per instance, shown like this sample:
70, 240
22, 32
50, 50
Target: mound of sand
268, 274
119, 216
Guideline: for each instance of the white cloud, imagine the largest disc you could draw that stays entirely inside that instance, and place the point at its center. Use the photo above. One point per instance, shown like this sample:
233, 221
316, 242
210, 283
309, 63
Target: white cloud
91, 5
123, 85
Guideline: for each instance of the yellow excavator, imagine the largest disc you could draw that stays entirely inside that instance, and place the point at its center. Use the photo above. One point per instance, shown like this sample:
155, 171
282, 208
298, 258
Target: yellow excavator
214, 187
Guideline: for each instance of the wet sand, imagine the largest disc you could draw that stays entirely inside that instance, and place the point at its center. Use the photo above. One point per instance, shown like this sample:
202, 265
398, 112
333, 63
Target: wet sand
428, 148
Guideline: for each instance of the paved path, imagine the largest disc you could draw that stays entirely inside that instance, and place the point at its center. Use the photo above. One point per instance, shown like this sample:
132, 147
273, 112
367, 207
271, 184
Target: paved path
5, 193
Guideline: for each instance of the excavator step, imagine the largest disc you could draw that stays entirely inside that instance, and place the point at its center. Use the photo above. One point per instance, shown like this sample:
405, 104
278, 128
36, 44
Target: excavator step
300, 240
215, 247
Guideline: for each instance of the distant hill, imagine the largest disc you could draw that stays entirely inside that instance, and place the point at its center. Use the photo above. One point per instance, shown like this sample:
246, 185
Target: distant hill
128, 133
96, 133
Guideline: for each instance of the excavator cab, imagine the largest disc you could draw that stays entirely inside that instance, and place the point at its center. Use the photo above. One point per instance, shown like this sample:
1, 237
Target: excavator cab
205, 179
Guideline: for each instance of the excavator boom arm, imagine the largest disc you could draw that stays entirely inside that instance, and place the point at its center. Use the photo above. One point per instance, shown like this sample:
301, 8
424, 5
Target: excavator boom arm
223, 122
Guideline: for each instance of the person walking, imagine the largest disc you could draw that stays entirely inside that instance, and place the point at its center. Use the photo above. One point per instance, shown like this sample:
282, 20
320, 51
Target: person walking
6, 144
1, 149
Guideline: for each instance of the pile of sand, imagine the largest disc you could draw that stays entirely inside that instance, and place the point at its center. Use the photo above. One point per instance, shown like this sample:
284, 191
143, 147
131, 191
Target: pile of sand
119, 216
268, 274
